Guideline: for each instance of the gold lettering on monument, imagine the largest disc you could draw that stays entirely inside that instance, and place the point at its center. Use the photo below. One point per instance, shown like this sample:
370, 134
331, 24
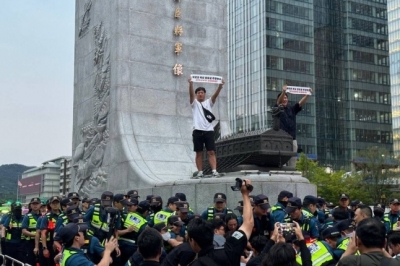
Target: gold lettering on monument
178, 69
178, 48
178, 30
177, 12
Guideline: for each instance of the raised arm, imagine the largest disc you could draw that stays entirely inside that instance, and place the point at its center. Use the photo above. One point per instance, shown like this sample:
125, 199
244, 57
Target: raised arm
248, 220
191, 90
304, 99
216, 93
283, 93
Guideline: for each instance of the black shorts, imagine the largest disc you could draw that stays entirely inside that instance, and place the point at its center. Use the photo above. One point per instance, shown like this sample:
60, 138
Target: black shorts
201, 138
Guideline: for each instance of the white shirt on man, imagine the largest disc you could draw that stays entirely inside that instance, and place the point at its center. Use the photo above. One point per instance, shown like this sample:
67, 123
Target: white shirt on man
199, 120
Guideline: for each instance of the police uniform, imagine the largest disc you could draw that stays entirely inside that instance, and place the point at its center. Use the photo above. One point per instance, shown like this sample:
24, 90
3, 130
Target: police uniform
308, 225
156, 206
239, 208
392, 218
15, 240
262, 224
48, 225
29, 223
211, 211
320, 253
162, 216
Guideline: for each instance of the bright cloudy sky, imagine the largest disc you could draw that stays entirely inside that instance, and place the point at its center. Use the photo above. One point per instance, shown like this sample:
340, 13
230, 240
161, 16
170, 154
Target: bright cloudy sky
36, 80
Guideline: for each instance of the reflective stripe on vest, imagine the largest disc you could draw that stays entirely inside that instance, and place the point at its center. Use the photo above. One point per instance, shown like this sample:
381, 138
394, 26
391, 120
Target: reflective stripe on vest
14, 231
387, 219
31, 226
66, 255
51, 225
276, 208
345, 243
135, 220
96, 222
210, 212
161, 217
319, 254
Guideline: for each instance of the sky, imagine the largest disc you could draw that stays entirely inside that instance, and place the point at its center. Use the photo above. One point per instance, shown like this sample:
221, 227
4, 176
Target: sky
36, 80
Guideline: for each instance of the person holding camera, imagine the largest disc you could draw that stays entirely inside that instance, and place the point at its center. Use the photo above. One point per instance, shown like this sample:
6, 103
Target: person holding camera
203, 130
308, 224
201, 235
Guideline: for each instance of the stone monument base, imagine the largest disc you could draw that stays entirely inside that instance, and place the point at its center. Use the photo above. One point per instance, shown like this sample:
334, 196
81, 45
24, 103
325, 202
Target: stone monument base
200, 192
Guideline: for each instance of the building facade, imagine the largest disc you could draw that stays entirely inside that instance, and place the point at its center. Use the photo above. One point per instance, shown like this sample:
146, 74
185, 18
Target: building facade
394, 54
338, 48
65, 175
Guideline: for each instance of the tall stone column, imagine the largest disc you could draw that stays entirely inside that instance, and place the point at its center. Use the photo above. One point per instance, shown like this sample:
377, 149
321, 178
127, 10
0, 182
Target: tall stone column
132, 117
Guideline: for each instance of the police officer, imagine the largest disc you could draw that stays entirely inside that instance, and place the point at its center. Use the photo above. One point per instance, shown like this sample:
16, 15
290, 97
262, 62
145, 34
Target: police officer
176, 231
47, 228
379, 213
182, 210
219, 207
29, 229
393, 216
85, 205
156, 204
74, 197
133, 194
278, 213
346, 230
97, 217
162, 216
182, 197
262, 225
239, 208
73, 238
72, 213
344, 202
12, 228
308, 225
134, 224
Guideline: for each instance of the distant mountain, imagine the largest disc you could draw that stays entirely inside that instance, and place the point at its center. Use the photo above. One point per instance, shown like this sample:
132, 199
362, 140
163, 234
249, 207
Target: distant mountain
9, 174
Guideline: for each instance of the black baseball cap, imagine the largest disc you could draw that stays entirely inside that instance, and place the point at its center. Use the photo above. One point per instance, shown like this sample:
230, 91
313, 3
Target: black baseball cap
181, 196
344, 196
87, 200
394, 201
219, 197
293, 204
354, 203
321, 201
149, 197
65, 201
183, 206
73, 212
155, 200
175, 220
239, 207
36, 200
130, 202
73, 195
344, 225
309, 199
118, 197
54, 198
160, 226
330, 232
107, 197
133, 194
262, 201
285, 194
144, 205
69, 231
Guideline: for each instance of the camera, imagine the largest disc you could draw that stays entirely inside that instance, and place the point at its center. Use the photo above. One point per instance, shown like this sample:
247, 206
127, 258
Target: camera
287, 230
238, 185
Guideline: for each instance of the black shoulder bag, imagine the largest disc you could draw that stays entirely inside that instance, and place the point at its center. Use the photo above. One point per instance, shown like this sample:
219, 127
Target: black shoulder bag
208, 115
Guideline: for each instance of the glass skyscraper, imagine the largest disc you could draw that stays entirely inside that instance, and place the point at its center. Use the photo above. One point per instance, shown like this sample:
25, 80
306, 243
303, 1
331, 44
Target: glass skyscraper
394, 48
338, 48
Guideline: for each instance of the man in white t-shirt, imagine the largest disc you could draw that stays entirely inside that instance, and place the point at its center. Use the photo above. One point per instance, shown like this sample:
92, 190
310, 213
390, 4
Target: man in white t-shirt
203, 131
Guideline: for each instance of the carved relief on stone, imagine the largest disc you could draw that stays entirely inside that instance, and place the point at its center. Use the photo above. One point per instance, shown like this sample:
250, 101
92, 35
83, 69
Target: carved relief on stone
85, 21
88, 157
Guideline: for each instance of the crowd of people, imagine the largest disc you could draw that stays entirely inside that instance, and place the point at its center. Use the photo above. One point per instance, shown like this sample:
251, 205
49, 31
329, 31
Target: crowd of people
118, 229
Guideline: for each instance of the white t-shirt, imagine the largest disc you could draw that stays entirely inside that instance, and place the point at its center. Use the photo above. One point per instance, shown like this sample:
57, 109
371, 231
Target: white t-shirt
199, 120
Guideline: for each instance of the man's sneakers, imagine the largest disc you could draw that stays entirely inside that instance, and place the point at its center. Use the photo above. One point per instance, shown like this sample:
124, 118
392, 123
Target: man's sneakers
215, 174
198, 175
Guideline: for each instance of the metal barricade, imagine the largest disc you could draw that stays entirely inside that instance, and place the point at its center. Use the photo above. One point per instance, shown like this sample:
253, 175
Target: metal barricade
14, 262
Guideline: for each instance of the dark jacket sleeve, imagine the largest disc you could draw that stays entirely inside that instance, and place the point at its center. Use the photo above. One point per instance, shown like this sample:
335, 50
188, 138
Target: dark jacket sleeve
268, 246
305, 253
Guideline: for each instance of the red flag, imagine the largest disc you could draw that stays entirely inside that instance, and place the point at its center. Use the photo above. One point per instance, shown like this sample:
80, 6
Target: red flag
19, 183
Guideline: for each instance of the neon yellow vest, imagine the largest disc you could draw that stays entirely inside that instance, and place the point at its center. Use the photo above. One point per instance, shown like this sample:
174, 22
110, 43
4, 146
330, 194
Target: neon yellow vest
66, 255
162, 217
345, 243
96, 222
15, 231
319, 254
210, 212
137, 221
31, 226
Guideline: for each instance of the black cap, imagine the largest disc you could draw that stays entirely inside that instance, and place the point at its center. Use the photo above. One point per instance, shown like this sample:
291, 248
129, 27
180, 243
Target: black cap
344, 196
219, 215
73, 195
344, 225
181, 196
130, 202
155, 200
285, 194
160, 226
144, 206
54, 198
64, 202
149, 197
69, 231
293, 204
219, 197
95, 200
330, 205
394, 201
107, 196
321, 201
330, 232
35, 200
175, 220
85, 200
262, 201
239, 207
72, 211
309, 199
118, 197
172, 200
354, 203
133, 194
183, 206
